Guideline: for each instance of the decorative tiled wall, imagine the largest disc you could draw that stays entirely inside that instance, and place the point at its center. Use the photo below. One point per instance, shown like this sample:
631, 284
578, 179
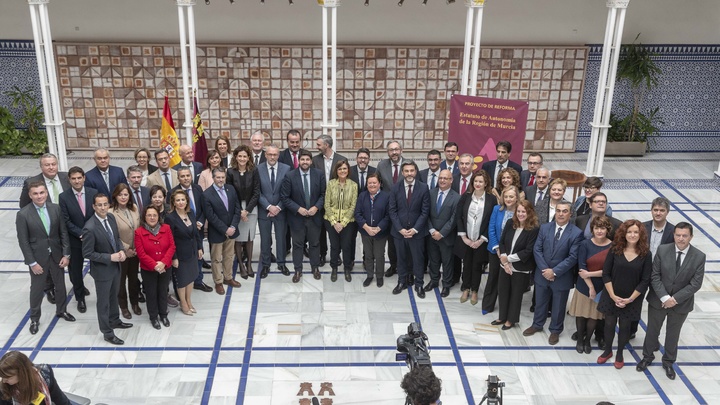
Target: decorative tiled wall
112, 94
18, 67
688, 96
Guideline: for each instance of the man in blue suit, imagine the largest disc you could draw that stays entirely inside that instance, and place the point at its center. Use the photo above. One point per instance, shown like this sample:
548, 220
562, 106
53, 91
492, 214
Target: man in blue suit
187, 155
441, 240
450, 162
222, 210
409, 210
104, 177
271, 211
76, 204
555, 252
303, 195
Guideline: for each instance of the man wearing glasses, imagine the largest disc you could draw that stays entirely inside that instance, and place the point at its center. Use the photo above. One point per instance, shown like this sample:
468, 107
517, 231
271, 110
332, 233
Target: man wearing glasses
582, 204
527, 177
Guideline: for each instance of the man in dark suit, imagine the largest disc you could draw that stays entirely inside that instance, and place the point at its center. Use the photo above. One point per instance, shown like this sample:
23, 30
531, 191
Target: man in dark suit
101, 245
104, 177
325, 161
303, 195
540, 190
140, 194
45, 246
188, 160
556, 250
493, 167
409, 211
390, 174
598, 204
257, 143
271, 211
678, 271
76, 205
55, 182
291, 155
195, 199
222, 211
362, 168
461, 181
450, 162
527, 177
441, 221
430, 175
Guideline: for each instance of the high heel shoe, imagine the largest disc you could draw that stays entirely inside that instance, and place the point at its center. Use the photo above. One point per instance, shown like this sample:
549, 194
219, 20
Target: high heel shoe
507, 327
465, 295
192, 309
187, 312
474, 298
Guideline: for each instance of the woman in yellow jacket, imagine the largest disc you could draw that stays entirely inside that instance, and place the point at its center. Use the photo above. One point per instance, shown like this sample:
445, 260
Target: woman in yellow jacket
340, 198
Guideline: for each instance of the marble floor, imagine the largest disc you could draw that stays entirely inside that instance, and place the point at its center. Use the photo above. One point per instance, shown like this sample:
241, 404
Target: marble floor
274, 342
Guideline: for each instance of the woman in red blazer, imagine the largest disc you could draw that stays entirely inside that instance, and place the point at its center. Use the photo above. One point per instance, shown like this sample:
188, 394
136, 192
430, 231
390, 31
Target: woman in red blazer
155, 248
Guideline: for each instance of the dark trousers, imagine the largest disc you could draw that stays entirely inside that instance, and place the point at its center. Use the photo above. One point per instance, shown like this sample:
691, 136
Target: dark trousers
37, 290
156, 286
510, 293
341, 242
472, 268
323, 236
106, 292
490, 293
656, 318
392, 253
75, 271
439, 252
309, 231
374, 255
266, 226
457, 266
129, 282
545, 296
623, 334
410, 247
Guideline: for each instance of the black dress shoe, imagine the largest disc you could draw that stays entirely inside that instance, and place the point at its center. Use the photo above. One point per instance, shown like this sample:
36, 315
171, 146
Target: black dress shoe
430, 286
445, 292
333, 274
34, 326
323, 260
587, 348
497, 322
669, 371
506, 327
391, 272
155, 323
380, 282
66, 316
532, 308
601, 343
114, 340
86, 292
643, 364
296, 278
206, 265
136, 309
367, 282
284, 270
579, 347
273, 259
348, 275
573, 336
399, 288
202, 287
265, 271
82, 307
141, 297
419, 292
50, 296
316, 273
122, 325
165, 321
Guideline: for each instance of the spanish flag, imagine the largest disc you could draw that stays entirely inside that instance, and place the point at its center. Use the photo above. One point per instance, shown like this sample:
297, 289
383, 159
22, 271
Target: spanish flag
168, 138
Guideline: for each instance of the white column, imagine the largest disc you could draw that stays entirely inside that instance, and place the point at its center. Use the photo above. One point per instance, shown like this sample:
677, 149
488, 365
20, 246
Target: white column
606, 86
473, 24
48, 80
189, 75
329, 67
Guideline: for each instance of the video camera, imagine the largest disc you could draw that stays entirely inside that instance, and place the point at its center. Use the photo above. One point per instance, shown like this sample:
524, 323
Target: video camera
494, 391
413, 348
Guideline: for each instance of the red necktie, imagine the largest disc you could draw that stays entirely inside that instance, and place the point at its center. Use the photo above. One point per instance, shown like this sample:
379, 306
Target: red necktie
464, 186
295, 162
532, 180
409, 196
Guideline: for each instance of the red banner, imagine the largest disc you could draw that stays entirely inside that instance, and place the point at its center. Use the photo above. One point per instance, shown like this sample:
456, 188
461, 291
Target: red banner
478, 123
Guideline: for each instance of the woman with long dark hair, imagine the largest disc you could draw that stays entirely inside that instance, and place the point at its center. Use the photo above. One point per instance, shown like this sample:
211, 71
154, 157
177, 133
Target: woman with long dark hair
245, 179
222, 146
128, 220
212, 162
22, 382
626, 274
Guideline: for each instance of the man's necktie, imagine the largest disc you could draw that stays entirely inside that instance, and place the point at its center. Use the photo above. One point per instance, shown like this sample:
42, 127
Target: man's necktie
432, 182
678, 262
539, 197
306, 187
56, 193
107, 180
557, 234
224, 198
110, 235
464, 186
295, 161
532, 180
439, 202
362, 179
395, 173
138, 201
272, 178
192, 200
167, 181
257, 160
409, 195
45, 220
81, 202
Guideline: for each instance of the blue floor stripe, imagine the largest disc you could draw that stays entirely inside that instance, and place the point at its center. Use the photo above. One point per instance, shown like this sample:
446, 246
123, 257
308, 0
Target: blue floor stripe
216, 348
650, 377
242, 385
453, 345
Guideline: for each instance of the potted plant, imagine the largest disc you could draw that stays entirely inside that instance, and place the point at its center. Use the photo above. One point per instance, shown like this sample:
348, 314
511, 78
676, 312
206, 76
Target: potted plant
632, 129
30, 138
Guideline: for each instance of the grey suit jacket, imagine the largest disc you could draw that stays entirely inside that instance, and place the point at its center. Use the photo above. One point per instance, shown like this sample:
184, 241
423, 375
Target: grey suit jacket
25, 198
97, 247
38, 246
681, 285
531, 193
385, 168
271, 195
444, 221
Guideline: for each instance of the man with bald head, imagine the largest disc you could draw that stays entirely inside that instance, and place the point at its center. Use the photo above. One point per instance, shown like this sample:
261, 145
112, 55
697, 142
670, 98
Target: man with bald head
257, 143
187, 155
55, 181
104, 177
540, 190
441, 235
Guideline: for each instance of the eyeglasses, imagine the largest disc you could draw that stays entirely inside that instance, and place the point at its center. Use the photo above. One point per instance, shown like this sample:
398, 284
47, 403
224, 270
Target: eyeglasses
601, 202
534, 163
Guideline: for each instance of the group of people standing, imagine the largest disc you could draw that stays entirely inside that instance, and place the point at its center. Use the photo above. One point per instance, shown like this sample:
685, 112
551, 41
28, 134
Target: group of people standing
512, 223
